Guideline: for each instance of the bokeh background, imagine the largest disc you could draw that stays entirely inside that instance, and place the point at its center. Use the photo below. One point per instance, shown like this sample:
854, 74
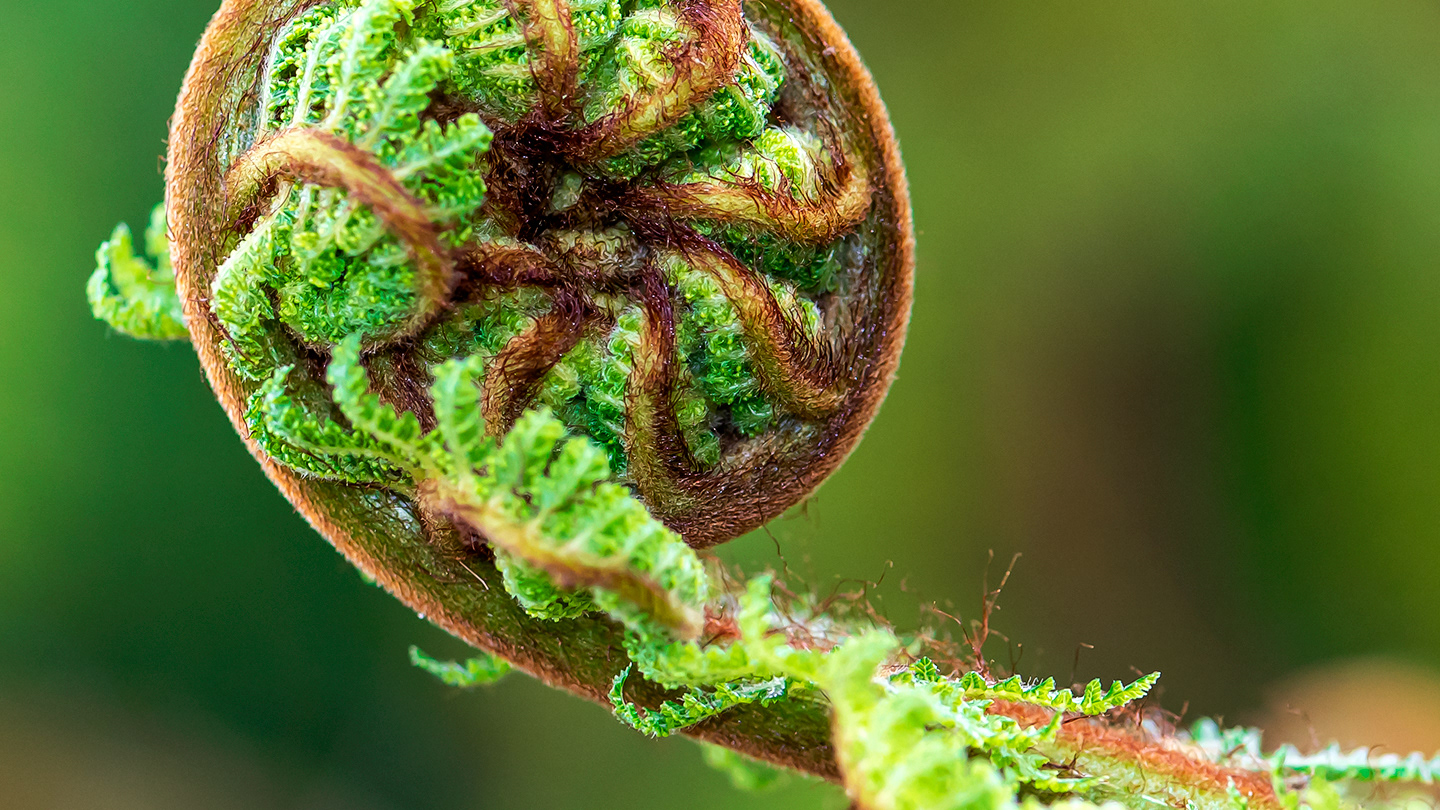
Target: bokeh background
1176, 341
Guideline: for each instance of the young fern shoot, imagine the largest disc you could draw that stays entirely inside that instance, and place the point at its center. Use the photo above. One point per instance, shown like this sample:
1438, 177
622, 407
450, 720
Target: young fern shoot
524, 304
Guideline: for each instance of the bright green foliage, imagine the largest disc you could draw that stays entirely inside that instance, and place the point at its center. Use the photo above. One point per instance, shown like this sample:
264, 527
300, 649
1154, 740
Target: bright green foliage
317, 262
330, 271
745, 773
482, 328
1321, 795
912, 739
494, 68
605, 375
674, 664
1095, 700
694, 706
1332, 764
129, 294
908, 740
898, 750
253, 345
781, 158
638, 63
1360, 765
399, 436
330, 263
543, 499
1007, 744
737, 112
810, 267
305, 437
537, 592
482, 670
714, 344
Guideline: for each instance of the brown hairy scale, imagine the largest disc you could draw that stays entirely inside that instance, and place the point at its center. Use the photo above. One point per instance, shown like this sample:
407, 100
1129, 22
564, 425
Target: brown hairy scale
434, 566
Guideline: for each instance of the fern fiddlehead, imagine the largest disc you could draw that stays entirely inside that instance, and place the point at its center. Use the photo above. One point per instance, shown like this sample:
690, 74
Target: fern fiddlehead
558, 190
522, 302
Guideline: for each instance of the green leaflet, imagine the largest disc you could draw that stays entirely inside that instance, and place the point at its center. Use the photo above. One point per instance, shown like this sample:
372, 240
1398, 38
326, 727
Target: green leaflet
494, 67
810, 267
914, 739
745, 773
1095, 700
636, 62
713, 342
320, 264
544, 499
399, 436
908, 741
898, 750
132, 296
334, 267
674, 664
736, 112
694, 706
1244, 746
1336, 765
537, 592
780, 158
482, 670
253, 346
304, 437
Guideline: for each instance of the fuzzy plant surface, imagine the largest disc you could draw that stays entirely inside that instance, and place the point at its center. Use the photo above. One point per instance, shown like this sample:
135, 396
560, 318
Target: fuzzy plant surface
526, 303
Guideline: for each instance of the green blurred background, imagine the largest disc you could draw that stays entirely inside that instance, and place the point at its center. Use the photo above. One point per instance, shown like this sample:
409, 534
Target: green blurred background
1176, 340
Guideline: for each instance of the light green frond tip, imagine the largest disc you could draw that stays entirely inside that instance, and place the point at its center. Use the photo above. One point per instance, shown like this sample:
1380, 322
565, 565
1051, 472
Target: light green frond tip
1095, 700
749, 775
1331, 764
694, 706
1360, 765
479, 671
898, 746
126, 292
